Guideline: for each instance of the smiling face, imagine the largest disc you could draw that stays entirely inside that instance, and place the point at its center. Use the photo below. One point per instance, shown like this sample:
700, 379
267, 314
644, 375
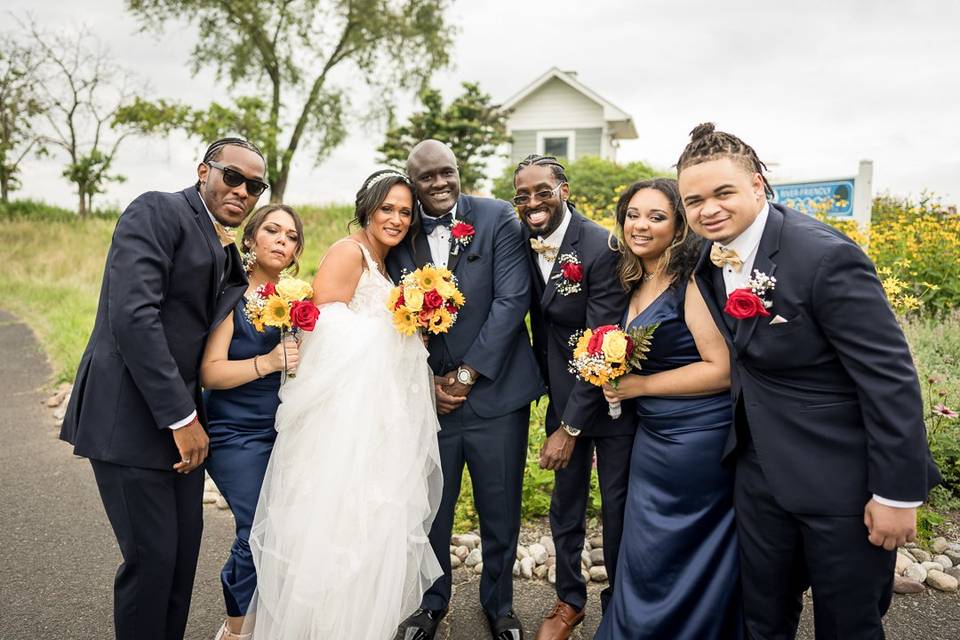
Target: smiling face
230, 205
721, 197
389, 223
433, 169
649, 225
275, 242
541, 215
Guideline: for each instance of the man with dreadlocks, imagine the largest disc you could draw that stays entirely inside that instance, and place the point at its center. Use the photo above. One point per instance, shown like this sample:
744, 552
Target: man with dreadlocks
577, 421
172, 273
828, 441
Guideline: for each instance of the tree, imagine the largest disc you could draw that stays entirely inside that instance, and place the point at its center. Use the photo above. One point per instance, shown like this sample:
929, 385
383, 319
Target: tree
472, 127
308, 51
20, 106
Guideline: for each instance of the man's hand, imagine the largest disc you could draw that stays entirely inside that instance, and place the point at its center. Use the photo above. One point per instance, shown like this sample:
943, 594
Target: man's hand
889, 527
193, 444
447, 402
454, 388
556, 451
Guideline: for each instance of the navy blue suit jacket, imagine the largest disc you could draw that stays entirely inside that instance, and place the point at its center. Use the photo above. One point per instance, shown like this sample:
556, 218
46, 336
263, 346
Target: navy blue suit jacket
489, 334
555, 317
167, 281
830, 397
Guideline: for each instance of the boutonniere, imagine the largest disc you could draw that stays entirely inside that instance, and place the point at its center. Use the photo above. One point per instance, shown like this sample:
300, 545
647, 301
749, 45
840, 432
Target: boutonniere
462, 233
753, 299
570, 274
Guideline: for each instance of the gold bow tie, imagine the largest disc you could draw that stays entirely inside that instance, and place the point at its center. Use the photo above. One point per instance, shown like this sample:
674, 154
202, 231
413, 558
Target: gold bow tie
548, 251
721, 256
226, 236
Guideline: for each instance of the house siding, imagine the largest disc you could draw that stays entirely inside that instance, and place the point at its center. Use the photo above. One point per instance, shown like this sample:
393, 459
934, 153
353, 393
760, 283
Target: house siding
524, 143
558, 104
588, 142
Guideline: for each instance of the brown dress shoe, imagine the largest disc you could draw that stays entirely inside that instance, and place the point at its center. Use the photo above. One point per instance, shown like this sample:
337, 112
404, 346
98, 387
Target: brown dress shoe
559, 623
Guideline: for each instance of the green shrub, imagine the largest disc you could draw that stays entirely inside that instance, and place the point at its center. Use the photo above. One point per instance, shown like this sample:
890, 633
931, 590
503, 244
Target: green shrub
39, 210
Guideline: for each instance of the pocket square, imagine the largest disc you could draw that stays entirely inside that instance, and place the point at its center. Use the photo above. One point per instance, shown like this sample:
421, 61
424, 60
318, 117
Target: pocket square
778, 319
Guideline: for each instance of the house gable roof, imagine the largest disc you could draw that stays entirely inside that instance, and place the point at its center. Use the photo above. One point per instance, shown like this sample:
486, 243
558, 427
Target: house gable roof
619, 122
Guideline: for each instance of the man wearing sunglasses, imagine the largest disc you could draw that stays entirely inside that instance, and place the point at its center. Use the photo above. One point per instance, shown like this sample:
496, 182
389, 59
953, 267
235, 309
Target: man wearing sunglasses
172, 273
575, 285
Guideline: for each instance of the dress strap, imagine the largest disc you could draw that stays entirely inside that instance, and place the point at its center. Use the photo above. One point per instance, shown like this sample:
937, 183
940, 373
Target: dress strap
368, 260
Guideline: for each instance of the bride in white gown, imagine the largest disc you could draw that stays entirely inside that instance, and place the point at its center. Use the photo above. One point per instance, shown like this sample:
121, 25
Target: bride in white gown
339, 539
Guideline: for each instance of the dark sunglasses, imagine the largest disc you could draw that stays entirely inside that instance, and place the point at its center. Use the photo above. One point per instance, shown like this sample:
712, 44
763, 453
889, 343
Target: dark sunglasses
234, 178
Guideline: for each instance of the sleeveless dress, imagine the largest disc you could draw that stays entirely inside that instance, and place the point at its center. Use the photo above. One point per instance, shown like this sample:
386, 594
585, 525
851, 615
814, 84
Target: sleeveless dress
340, 535
240, 423
678, 569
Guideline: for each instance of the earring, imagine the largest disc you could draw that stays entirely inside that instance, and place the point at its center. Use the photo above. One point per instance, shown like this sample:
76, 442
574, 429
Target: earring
249, 261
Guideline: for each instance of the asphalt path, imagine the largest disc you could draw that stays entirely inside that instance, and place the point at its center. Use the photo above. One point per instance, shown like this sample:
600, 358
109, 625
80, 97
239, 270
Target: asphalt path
58, 555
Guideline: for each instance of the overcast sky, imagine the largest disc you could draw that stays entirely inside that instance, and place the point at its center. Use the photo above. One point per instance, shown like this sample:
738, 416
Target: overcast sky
814, 88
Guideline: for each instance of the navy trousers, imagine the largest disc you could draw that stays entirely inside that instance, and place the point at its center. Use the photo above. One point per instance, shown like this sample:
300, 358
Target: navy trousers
157, 517
495, 452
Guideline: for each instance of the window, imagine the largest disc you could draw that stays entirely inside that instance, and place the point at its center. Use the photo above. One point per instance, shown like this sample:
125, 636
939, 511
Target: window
560, 144
557, 147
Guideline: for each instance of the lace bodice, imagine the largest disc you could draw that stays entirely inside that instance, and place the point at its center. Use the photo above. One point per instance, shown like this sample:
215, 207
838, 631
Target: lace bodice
373, 288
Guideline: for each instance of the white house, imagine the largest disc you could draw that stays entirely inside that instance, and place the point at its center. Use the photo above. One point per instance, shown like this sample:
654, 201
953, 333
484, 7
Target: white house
557, 115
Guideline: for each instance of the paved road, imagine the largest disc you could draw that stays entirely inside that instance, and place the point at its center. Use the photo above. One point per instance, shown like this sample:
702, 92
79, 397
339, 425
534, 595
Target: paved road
58, 554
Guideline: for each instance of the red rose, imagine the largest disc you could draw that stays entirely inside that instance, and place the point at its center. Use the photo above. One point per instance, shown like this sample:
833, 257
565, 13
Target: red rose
744, 303
595, 345
400, 302
432, 299
303, 315
425, 316
572, 271
462, 230
451, 308
269, 289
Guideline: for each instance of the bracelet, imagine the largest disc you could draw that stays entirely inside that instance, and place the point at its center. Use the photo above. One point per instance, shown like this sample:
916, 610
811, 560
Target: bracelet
256, 368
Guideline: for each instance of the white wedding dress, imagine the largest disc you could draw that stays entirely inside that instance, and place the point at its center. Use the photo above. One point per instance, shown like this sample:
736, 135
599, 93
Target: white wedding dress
339, 539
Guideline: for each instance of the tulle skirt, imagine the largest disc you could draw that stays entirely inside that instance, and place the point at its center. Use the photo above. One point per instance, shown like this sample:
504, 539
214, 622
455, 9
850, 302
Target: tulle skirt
339, 539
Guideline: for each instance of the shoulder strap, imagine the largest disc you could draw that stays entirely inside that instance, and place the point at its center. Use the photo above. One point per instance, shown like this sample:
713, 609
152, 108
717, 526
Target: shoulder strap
367, 260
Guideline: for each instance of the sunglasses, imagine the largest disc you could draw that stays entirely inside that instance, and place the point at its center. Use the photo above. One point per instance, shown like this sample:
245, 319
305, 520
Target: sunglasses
234, 178
523, 199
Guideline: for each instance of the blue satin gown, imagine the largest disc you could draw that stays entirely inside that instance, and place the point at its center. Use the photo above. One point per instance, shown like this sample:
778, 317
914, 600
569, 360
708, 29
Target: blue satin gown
241, 426
677, 572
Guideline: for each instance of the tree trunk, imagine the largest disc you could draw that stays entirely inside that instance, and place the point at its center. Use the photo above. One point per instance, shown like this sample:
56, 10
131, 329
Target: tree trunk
4, 189
278, 187
82, 208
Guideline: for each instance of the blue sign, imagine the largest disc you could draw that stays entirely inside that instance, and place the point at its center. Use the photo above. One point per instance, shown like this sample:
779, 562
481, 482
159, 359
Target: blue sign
833, 197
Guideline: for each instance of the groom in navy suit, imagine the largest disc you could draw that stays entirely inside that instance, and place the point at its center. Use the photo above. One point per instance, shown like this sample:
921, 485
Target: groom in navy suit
828, 439
172, 273
486, 376
573, 264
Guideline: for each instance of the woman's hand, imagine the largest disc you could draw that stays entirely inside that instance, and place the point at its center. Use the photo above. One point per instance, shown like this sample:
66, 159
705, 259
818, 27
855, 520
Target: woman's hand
289, 348
628, 386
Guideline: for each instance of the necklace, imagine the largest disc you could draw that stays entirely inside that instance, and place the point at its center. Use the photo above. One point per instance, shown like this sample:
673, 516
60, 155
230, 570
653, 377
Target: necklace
647, 277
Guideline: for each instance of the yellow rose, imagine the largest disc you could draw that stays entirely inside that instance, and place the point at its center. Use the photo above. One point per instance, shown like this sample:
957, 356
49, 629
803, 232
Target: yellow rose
614, 347
291, 289
581, 348
413, 298
445, 289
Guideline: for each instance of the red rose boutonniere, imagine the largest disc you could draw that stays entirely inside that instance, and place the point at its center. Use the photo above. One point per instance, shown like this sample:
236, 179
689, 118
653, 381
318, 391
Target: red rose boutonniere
570, 275
751, 300
462, 233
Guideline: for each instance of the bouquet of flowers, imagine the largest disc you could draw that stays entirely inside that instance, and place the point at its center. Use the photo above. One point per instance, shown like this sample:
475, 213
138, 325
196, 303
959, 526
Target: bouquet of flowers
286, 305
602, 355
427, 299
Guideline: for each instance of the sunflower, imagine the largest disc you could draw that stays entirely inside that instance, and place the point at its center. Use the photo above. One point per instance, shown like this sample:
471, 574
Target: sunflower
276, 313
457, 297
405, 322
428, 277
395, 294
441, 321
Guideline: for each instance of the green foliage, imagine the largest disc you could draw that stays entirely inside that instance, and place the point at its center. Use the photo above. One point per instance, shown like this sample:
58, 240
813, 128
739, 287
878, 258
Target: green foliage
595, 184
299, 48
39, 211
471, 125
20, 106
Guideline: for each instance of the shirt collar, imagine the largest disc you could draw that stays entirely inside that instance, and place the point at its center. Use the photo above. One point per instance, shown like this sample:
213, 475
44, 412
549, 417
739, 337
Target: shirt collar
206, 208
748, 241
556, 236
452, 212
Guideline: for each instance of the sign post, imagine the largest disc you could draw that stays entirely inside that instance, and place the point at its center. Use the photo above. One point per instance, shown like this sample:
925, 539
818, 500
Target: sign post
850, 198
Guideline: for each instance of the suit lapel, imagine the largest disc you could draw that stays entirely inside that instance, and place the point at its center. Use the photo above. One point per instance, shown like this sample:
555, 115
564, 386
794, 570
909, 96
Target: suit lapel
535, 274
715, 295
567, 245
769, 246
213, 244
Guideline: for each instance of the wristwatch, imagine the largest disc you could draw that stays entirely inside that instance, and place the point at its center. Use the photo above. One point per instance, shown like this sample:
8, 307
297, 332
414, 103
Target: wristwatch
464, 376
573, 431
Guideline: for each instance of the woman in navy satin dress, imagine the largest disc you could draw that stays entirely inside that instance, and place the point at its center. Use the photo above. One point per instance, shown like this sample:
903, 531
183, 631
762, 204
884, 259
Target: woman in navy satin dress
677, 573
240, 373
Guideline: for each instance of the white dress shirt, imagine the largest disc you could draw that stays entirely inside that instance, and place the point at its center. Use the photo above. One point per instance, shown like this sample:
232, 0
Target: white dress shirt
439, 241
555, 239
746, 246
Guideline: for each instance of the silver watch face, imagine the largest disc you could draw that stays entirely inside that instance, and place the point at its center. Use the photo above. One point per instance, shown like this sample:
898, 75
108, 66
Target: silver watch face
463, 376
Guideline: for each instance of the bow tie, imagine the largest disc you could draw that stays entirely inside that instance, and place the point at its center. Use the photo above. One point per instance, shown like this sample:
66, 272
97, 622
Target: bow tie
430, 223
226, 236
721, 256
548, 251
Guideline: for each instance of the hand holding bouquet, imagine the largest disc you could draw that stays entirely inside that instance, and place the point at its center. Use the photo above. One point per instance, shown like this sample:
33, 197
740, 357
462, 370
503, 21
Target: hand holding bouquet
602, 355
286, 305
427, 299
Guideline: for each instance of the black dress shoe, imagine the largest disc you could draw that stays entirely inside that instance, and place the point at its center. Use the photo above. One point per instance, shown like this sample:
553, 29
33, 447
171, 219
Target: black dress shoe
506, 627
422, 625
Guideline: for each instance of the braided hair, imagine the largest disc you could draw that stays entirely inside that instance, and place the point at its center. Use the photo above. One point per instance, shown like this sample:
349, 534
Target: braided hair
215, 150
707, 144
542, 161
